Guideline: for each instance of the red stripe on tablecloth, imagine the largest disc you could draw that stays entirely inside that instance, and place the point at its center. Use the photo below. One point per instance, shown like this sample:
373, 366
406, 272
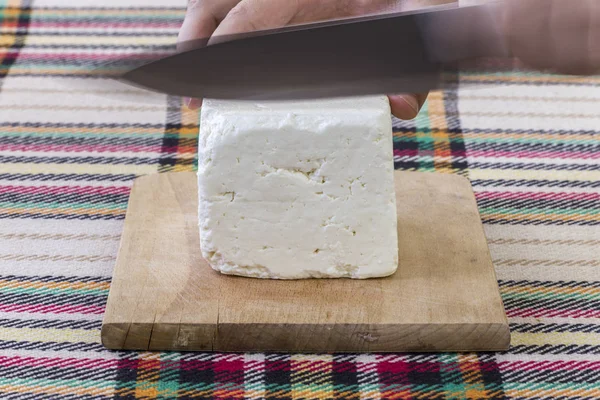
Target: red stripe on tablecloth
540, 312
406, 152
50, 362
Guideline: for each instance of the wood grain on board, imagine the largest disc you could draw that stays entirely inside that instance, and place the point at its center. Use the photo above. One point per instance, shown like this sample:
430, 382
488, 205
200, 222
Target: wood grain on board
444, 296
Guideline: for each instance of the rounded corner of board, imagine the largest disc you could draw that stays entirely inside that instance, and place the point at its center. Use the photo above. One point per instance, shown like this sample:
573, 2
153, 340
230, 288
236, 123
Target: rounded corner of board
462, 180
112, 335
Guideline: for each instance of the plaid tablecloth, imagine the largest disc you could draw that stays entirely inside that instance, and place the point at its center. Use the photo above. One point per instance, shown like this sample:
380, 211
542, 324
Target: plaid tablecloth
529, 143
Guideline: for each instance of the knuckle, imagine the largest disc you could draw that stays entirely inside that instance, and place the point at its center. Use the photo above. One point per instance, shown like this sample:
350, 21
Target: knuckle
193, 4
246, 11
241, 9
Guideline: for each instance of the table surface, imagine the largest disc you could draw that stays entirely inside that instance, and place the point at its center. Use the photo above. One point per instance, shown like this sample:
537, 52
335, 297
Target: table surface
529, 143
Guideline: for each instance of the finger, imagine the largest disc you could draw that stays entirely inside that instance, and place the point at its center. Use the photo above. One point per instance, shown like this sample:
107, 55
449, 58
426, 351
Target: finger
553, 34
594, 36
407, 106
193, 104
201, 19
528, 31
254, 15
572, 25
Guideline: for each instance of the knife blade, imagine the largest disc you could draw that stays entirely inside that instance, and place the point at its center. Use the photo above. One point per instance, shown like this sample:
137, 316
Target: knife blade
405, 52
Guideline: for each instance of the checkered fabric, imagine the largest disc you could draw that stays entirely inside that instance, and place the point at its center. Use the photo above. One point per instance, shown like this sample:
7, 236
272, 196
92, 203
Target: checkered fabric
530, 144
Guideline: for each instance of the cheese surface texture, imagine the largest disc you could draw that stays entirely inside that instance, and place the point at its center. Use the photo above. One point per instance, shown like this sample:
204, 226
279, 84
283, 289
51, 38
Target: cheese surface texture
292, 190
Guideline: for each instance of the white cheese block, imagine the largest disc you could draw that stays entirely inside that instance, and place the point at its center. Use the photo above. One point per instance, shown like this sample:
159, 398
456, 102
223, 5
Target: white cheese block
292, 190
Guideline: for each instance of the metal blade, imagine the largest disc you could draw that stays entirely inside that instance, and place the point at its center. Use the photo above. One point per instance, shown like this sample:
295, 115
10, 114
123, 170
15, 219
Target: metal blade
395, 53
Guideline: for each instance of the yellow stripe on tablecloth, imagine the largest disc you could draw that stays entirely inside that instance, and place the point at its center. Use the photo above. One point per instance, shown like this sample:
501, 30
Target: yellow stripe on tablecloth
150, 11
543, 242
512, 78
538, 392
530, 174
50, 335
12, 8
99, 130
508, 136
310, 376
65, 236
180, 168
95, 40
30, 168
62, 210
556, 338
498, 97
107, 391
442, 159
10, 12
549, 291
7, 40
110, 108
50, 285
539, 216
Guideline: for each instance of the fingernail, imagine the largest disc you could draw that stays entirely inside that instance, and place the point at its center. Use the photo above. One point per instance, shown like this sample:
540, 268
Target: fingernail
412, 103
192, 104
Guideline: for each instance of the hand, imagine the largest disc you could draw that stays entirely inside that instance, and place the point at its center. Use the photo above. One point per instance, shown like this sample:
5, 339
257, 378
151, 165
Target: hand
214, 18
557, 35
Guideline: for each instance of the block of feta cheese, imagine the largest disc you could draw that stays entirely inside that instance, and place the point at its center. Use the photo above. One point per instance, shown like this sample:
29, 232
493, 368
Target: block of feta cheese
291, 190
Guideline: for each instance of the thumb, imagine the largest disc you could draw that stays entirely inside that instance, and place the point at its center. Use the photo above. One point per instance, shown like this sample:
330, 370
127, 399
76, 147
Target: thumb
407, 106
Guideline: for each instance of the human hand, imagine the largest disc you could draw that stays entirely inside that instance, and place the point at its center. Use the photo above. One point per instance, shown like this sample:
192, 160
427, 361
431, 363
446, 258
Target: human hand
215, 18
557, 35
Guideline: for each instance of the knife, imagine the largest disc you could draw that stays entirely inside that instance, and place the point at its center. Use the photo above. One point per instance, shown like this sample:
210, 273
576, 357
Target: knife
402, 52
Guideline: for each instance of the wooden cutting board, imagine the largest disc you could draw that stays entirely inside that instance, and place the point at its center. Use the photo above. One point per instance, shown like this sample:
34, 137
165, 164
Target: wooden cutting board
444, 296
